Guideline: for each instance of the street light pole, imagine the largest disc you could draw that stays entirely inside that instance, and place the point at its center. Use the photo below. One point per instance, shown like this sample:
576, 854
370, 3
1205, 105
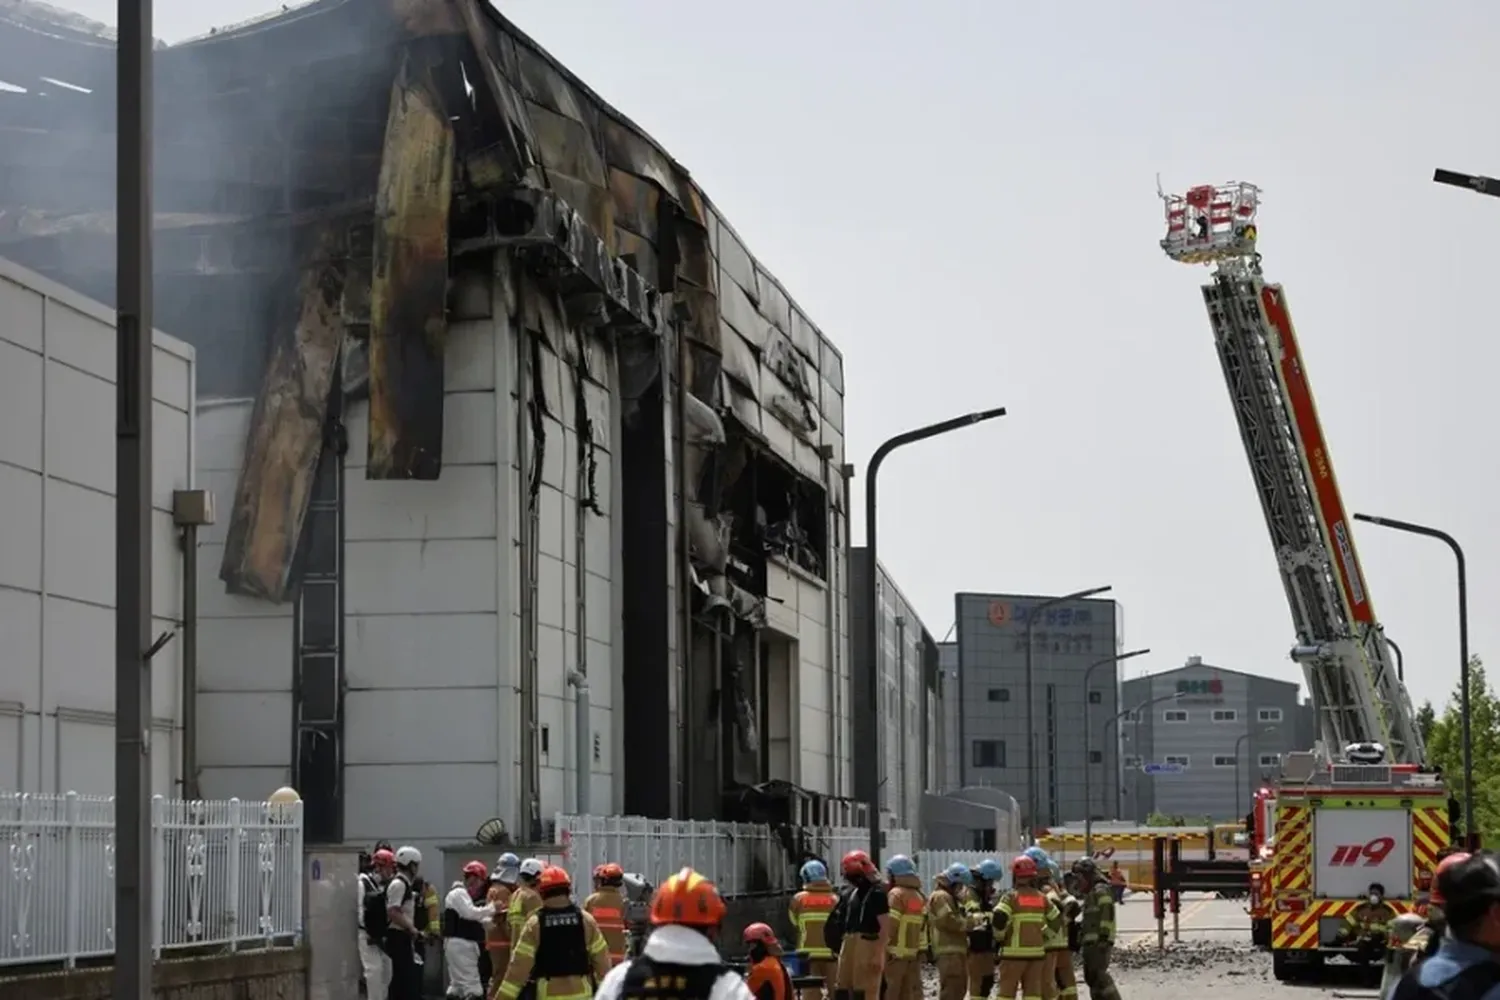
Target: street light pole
1400, 657
1173, 696
1031, 762
866, 680
134, 349
1088, 744
1237, 744
1463, 646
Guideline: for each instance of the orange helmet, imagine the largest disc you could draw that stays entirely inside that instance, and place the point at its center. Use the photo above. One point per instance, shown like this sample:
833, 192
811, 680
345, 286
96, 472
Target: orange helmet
857, 863
609, 873
689, 899
553, 878
1023, 867
760, 934
1451, 861
477, 869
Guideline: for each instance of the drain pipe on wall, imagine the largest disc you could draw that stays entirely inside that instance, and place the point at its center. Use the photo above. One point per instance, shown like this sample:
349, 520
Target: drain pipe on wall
586, 503
191, 510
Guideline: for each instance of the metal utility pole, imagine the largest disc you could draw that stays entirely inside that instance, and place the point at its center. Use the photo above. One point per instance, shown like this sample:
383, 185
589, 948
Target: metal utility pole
1463, 645
1031, 755
1088, 744
1474, 182
1400, 657
1136, 711
866, 678
133, 272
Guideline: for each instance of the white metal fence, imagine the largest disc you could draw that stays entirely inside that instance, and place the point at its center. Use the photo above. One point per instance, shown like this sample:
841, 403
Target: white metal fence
223, 873
739, 857
931, 863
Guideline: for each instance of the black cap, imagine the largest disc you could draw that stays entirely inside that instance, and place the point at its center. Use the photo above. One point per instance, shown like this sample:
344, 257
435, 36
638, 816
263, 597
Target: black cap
1470, 888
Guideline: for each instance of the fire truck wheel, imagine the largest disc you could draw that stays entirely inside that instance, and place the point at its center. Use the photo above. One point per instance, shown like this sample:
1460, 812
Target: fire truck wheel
1260, 933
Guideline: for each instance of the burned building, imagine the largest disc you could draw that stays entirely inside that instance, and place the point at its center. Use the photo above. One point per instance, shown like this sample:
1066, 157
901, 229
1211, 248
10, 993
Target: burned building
528, 472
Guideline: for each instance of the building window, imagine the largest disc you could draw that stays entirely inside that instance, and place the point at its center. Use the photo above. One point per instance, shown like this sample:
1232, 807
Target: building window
999, 694
1181, 760
1270, 760
1131, 716
1132, 760
1096, 756
1269, 715
1224, 760
989, 753
1226, 715
1174, 715
1096, 697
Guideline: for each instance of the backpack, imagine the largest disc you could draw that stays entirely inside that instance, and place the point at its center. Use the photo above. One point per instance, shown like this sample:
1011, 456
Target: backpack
376, 920
837, 924
1472, 983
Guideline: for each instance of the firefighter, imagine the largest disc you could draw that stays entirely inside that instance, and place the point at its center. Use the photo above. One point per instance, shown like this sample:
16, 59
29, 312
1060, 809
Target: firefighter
949, 927
867, 928
463, 924
1058, 980
497, 935
560, 952
680, 959
1020, 919
1463, 967
809, 912
1097, 930
977, 904
524, 898
1425, 941
1368, 924
903, 954
607, 906
766, 977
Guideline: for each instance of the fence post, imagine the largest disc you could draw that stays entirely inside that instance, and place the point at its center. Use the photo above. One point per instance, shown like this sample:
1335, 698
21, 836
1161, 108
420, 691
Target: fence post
299, 873
232, 861
158, 874
70, 878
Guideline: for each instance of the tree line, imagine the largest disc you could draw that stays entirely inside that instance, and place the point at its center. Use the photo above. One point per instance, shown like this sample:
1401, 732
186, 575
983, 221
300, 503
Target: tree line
1443, 735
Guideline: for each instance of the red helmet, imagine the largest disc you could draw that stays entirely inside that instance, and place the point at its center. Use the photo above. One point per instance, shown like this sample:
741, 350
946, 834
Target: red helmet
760, 934
476, 869
857, 863
1451, 861
1023, 867
609, 873
384, 857
553, 878
689, 899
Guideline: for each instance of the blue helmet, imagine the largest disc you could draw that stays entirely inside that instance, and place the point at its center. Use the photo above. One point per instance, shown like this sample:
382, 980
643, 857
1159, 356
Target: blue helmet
1054, 871
990, 870
1038, 855
507, 860
898, 865
957, 874
814, 871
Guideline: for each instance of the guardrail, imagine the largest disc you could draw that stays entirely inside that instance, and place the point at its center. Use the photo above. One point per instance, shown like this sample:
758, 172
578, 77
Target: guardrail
223, 873
740, 858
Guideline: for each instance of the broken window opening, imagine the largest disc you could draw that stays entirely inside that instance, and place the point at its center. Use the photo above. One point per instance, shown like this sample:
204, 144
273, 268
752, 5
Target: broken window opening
791, 515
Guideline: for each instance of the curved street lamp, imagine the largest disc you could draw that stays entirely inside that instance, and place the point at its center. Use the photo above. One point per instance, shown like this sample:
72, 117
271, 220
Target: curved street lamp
1088, 743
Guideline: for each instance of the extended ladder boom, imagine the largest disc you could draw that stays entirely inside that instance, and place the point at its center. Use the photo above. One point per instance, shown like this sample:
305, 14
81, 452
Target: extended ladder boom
1341, 647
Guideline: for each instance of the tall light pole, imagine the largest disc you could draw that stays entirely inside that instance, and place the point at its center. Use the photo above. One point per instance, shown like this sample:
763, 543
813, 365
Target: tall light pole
866, 681
1031, 761
1463, 646
1136, 711
1237, 744
1474, 182
133, 273
1088, 743
1400, 657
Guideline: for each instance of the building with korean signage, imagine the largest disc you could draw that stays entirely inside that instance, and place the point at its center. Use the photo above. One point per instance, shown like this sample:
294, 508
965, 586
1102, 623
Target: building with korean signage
1209, 736
1071, 642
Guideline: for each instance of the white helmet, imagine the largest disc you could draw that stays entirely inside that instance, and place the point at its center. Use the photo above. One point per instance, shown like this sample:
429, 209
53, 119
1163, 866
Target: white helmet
408, 857
531, 868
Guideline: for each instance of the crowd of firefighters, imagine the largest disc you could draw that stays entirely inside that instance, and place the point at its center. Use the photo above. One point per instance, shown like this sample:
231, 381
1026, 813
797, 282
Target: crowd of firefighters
515, 932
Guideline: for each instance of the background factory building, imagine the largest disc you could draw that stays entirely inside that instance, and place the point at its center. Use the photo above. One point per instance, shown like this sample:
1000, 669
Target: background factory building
511, 437
1068, 640
1221, 731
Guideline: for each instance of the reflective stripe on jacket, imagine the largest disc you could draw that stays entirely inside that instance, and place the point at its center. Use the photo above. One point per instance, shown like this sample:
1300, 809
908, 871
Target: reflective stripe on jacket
1021, 923
809, 912
608, 909
910, 912
950, 931
1099, 915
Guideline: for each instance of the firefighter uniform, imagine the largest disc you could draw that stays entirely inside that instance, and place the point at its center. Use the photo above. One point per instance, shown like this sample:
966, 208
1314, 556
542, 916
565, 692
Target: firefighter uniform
949, 928
1058, 980
607, 907
861, 966
497, 934
560, 952
1368, 921
1098, 932
903, 966
809, 913
1020, 920
524, 901
980, 960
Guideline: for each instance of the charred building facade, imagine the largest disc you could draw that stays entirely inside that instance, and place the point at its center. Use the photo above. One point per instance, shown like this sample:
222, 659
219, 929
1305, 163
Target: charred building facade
528, 472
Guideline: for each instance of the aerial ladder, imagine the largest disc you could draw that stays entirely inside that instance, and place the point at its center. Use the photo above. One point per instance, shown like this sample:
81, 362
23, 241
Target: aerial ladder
1348, 665
1359, 810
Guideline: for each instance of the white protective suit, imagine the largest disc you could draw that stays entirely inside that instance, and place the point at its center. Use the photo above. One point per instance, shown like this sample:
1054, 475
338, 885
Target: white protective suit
679, 946
372, 957
460, 956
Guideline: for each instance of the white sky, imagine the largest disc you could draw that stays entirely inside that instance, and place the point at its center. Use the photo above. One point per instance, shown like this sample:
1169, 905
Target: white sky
962, 196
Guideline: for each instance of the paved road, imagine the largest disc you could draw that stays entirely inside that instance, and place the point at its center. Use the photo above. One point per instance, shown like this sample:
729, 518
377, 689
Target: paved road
1202, 918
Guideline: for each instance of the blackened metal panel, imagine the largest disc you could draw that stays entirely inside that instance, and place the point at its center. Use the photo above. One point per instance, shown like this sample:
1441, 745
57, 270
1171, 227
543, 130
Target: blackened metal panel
286, 437
409, 287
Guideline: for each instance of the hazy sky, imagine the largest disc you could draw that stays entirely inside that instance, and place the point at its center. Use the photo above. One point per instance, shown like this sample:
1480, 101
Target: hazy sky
962, 195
